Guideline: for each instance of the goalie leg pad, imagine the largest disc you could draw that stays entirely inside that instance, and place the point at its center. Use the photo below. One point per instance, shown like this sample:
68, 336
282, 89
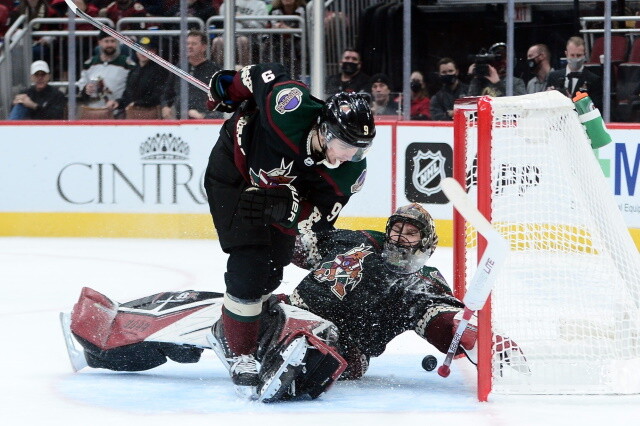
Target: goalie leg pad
138, 356
277, 375
76, 356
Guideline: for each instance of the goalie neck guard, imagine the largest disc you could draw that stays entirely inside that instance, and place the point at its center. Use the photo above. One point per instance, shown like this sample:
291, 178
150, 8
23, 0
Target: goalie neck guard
400, 255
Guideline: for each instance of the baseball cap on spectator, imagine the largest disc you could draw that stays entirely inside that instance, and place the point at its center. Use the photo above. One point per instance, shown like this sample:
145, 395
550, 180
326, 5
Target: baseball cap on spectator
149, 43
381, 78
39, 66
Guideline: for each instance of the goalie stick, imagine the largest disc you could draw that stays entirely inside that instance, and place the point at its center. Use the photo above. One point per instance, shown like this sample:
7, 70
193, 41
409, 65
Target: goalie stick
135, 46
489, 266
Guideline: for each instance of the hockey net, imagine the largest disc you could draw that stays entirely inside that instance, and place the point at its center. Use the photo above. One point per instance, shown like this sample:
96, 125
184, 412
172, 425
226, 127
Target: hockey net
569, 294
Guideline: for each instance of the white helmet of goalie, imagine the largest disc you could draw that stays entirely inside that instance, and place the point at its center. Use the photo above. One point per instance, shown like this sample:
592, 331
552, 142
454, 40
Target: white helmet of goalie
410, 239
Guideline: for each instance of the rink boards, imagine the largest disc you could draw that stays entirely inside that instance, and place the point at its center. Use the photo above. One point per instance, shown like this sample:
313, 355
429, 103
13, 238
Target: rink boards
144, 179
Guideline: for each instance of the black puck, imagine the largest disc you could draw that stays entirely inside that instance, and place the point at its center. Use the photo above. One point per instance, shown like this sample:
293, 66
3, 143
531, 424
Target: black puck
429, 362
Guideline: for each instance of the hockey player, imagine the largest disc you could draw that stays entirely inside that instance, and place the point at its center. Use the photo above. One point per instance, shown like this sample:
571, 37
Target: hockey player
374, 286
283, 160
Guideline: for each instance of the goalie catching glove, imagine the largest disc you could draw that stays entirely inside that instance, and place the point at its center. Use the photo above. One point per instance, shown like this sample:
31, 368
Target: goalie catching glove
219, 99
263, 206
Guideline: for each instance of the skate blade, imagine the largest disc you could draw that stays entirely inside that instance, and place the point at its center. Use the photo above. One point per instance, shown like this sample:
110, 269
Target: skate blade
76, 356
292, 357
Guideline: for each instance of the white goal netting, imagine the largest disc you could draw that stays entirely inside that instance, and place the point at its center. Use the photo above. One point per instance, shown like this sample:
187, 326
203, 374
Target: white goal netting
570, 292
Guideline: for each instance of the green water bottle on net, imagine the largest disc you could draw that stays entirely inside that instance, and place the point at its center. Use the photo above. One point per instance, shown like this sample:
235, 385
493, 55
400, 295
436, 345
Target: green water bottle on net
591, 120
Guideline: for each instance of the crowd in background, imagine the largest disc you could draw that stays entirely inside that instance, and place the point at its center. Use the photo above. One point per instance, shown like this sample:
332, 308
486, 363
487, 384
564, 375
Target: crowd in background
116, 82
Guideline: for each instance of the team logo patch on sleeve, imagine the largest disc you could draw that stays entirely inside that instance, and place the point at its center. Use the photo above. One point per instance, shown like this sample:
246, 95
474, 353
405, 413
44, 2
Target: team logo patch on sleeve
437, 275
345, 271
356, 187
288, 100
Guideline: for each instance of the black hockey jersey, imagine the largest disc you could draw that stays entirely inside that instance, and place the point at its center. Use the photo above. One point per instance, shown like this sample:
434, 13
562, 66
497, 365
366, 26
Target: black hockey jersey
351, 287
272, 144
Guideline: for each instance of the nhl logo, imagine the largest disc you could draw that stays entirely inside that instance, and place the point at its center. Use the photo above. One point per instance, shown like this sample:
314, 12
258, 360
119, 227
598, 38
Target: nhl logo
428, 171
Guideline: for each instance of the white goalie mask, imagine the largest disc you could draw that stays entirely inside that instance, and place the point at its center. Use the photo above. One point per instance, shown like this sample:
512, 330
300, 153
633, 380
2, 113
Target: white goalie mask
410, 239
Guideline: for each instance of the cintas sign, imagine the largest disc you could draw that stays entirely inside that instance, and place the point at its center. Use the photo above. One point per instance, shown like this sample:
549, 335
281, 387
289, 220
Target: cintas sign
163, 175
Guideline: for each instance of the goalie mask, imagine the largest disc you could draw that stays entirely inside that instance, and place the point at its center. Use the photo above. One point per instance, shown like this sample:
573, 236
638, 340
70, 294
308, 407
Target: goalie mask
410, 239
346, 126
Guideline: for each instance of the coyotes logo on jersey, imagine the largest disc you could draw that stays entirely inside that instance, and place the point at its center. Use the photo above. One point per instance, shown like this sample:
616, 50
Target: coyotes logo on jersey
274, 177
345, 271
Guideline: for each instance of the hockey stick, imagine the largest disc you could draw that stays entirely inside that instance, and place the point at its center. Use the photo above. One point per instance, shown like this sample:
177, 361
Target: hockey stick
488, 268
135, 46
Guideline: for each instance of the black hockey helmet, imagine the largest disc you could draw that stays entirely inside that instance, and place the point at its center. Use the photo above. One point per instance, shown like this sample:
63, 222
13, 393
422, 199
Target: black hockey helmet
348, 117
398, 255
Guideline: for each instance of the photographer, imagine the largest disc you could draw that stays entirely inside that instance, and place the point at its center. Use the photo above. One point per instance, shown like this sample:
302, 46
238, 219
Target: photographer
489, 71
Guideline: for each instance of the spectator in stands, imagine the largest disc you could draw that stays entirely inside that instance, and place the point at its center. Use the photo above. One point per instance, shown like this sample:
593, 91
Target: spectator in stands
490, 79
4, 19
452, 88
104, 76
124, 9
243, 8
350, 78
60, 6
419, 97
202, 69
279, 50
40, 101
539, 63
37, 9
158, 7
382, 103
575, 77
202, 9
145, 85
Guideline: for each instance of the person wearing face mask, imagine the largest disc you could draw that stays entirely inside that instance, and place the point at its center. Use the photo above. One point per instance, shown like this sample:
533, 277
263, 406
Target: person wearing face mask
538, 57
575, 77
420, 101
350, 78
441, 107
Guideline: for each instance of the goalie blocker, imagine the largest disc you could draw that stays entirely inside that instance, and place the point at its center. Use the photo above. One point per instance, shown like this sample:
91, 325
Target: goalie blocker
297, 349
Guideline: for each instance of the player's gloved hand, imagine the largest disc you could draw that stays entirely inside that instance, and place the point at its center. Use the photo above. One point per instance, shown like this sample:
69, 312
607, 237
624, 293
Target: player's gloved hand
507, 350
263, 206
218, 96
511, 354
469, 338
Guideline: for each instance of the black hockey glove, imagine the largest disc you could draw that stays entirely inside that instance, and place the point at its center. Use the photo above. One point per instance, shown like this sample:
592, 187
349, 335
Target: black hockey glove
218, 97
263, 206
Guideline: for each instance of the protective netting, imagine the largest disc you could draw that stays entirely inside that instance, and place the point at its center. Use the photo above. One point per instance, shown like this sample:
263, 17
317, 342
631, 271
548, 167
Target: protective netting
569, 294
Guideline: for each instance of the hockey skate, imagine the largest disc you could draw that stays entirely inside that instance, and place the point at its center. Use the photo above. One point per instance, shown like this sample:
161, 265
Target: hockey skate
243, 369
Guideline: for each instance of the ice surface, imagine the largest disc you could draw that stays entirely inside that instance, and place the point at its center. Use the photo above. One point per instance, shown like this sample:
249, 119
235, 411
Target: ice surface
41, 277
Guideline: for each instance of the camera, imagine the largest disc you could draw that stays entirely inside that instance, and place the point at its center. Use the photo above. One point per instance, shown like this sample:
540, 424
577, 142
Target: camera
482, 60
